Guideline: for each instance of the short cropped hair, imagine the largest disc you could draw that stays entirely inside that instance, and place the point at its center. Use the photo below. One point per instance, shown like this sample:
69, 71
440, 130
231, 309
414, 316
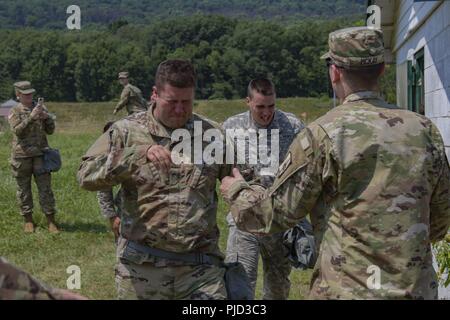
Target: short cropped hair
177, 73
367, 75
261, 85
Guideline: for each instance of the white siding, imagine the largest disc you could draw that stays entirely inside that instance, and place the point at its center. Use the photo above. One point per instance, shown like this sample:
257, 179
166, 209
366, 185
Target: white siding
433, 36
402, 85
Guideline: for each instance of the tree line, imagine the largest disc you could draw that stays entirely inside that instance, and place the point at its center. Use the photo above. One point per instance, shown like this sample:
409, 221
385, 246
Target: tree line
52, 13
227, 53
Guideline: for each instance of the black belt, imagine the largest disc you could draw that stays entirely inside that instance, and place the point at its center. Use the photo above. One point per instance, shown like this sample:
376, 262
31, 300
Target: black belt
196, 258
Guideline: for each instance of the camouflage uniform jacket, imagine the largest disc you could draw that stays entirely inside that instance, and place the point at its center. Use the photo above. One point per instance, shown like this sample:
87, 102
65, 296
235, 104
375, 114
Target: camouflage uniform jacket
176, 211
132, 99
29, 136
375, 180
15, 284
288, 126
111, 206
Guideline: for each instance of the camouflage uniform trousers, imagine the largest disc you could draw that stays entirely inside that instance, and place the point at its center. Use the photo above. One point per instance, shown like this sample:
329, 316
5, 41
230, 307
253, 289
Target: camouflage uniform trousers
152, 278
23, 169
245, 247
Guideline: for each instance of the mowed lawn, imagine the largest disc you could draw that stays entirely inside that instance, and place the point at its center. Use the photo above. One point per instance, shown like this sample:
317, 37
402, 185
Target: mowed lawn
85, 239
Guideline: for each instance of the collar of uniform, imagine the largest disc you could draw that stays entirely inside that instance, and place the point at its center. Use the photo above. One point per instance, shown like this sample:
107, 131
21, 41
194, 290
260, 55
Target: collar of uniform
156, 128
362, 95
23, 108
273, 124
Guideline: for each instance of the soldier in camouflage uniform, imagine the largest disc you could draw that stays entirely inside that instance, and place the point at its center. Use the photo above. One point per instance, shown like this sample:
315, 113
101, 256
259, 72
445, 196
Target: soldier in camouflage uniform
245, 247
30, 125
16, 284
374, 178
108, 203
131, 96
168, 247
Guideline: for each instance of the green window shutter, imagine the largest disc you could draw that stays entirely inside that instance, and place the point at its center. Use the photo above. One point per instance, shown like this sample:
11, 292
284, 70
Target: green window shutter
410, 85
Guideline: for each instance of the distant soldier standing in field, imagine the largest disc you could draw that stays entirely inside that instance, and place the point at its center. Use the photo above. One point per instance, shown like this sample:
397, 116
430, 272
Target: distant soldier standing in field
131, 96
30, 124
374, 178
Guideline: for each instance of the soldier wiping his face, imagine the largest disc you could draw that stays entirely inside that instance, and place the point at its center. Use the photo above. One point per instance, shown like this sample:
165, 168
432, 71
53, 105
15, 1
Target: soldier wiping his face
168, 246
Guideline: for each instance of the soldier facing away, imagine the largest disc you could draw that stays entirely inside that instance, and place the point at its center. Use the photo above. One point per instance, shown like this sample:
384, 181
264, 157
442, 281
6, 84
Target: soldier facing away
244, 247
131, 96
374, 178
168, 246
30, 124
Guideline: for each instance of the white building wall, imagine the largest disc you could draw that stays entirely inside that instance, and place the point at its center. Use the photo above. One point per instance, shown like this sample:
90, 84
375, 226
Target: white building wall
417, 29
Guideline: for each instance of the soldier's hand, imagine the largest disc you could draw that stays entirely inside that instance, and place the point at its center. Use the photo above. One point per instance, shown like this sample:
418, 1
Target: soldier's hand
228, 181
115, 111
115, 226
44, 115
36, 113
160, 157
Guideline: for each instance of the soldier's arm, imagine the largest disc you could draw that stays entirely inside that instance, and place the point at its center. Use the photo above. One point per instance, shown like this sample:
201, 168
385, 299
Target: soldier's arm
123, 99
440, 199
17, 123
49, 125
106, 202
104, 170
307, 167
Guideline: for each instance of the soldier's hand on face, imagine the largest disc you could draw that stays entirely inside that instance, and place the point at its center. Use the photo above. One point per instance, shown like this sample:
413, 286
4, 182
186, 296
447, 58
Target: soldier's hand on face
228, 181
160, 157
115, 226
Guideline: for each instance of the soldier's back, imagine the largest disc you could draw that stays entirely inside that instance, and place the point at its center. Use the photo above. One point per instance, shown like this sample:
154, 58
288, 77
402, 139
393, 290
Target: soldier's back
376, 214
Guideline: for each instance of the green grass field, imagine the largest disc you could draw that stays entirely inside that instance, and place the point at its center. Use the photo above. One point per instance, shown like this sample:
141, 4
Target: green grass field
85, 239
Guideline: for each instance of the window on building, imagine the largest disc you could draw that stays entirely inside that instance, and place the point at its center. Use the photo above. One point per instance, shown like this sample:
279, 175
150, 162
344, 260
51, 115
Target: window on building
416, 87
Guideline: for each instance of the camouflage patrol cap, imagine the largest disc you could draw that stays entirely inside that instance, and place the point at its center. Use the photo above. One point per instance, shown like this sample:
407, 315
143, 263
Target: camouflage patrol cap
24, 87
123, 75
355, 47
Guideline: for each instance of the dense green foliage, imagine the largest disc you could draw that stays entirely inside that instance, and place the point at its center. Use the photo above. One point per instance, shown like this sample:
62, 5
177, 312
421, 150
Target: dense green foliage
83, 65
52, 13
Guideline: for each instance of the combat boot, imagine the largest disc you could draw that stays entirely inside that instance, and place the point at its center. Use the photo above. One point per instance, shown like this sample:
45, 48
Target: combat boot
52, 227
29, 224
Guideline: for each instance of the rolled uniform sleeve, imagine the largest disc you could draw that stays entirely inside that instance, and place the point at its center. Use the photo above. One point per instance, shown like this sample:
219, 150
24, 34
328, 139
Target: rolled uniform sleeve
299, 183
104, 170
19, 123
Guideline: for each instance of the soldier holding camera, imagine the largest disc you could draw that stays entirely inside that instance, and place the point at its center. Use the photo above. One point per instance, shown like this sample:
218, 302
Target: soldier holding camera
30, 124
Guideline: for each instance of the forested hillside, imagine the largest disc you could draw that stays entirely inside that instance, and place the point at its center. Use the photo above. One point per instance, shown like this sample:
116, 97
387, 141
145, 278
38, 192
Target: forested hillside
52, 13
83, 65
